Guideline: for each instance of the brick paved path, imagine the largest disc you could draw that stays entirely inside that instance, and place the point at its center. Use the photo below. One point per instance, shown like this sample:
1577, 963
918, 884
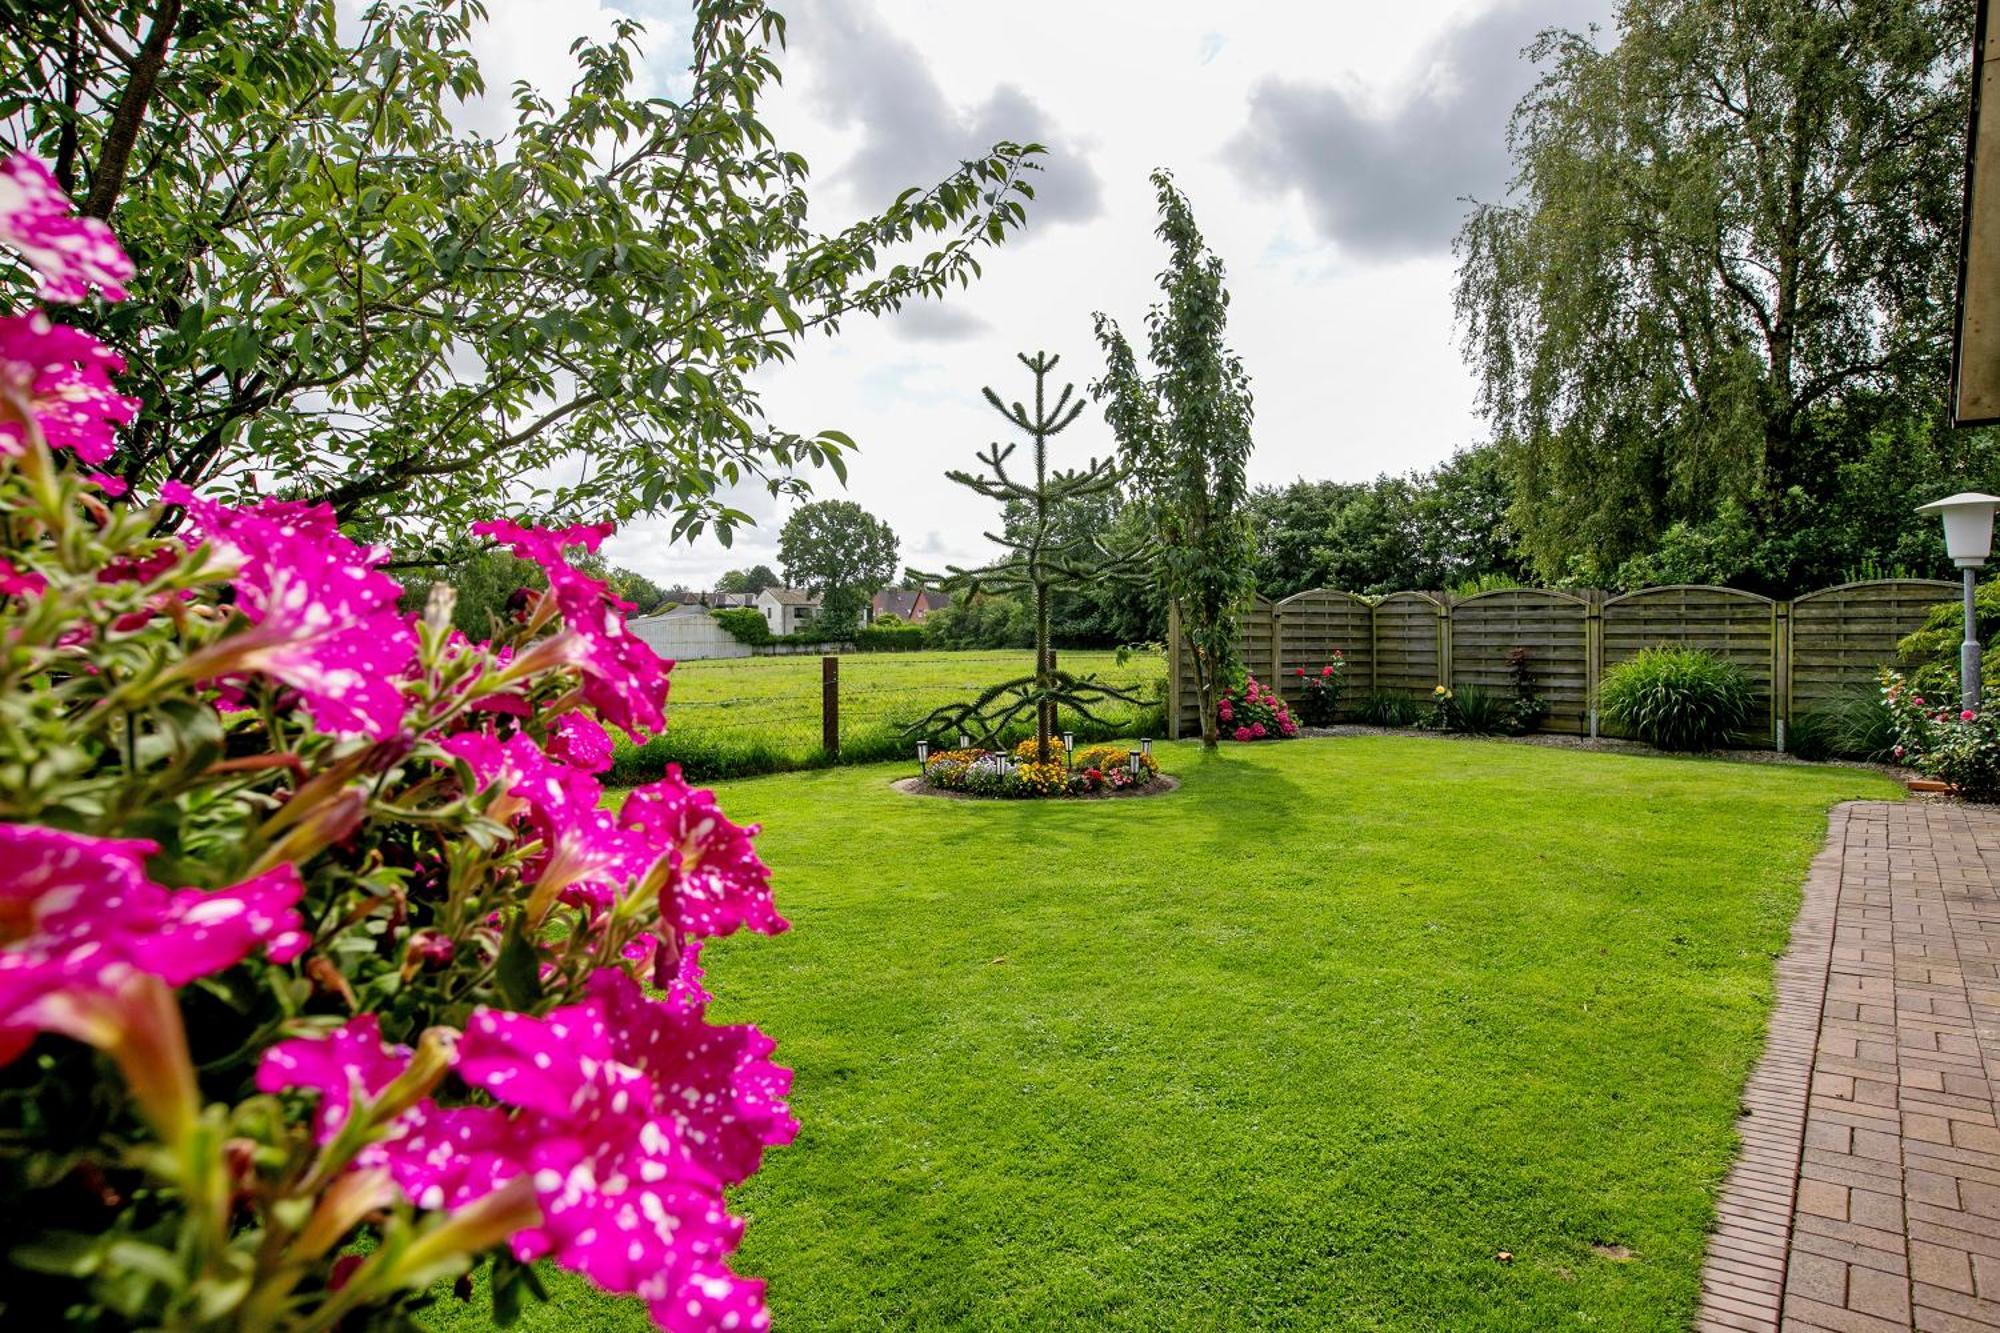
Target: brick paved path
1867, 1192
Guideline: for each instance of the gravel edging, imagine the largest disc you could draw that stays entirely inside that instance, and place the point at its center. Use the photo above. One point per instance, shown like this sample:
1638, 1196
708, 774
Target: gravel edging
1611, 745
1159, 786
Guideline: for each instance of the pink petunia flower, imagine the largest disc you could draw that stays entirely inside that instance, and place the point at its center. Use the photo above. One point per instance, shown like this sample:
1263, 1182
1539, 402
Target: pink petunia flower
323, 618
61, 377
714, 883
624, 680
580, 742
628, 1116
69, 252
79, 915
586, 856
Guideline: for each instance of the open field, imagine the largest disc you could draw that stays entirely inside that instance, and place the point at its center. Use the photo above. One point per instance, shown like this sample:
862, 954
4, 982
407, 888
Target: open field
1305, 1045
748, 715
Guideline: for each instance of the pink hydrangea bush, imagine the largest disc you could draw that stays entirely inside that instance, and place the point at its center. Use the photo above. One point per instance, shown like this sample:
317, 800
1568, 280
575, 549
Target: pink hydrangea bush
326, 970
1253, 712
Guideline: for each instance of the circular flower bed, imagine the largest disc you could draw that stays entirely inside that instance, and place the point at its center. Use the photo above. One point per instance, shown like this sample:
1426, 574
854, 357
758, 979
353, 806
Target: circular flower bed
1091, 771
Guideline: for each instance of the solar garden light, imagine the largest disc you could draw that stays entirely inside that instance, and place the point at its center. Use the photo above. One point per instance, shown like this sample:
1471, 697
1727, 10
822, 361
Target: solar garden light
964, 741
1146, 746
1968, 539
1069, 747
923, 753
1132, 762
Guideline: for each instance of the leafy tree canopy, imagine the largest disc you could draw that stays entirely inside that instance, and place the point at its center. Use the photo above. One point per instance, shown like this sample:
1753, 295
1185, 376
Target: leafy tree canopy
349, 297
752, 580
841, 552
1723, 275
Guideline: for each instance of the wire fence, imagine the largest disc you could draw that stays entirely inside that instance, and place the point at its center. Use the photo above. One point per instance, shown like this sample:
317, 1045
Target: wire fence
740, 716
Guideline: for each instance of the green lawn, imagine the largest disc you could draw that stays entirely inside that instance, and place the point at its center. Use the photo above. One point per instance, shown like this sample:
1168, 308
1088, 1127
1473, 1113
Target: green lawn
762, 714
1304, 1045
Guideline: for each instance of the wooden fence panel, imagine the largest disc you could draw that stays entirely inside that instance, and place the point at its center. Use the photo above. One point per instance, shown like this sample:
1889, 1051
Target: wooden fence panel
1259, 646
1408, 647
1312, 626
1737, 626
1841, 637
1799, 655
1554, 627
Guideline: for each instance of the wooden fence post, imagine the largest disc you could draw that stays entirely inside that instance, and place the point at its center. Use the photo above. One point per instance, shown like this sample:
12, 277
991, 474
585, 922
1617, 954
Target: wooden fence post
1444, 640
1781, 672
829, 705
1593, 659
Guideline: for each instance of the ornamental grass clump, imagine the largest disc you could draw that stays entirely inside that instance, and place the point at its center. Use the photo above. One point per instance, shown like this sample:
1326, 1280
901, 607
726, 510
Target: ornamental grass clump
1678, 698
325, 972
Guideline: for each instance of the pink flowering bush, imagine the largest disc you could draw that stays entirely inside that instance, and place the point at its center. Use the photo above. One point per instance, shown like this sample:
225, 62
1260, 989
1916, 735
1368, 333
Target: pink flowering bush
1251, 712
326, 972
1942, 740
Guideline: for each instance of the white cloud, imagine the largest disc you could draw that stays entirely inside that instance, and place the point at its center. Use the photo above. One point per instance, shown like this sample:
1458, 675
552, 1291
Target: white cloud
1352, 351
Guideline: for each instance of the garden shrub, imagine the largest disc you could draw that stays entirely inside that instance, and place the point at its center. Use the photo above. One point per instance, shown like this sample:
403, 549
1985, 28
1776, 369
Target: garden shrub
327, 974
1929, 654
1319, 702
889, 635
1678, 698
745, 625
1528, 709
1250, 712
1940, 739
1863, 726
1390, 708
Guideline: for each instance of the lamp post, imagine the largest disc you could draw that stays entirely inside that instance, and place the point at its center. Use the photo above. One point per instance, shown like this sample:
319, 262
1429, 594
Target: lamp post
1968, 539
923, 753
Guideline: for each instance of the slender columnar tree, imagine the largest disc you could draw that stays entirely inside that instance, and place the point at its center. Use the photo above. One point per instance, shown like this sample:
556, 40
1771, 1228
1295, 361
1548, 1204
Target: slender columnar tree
1184, 433
1040, 560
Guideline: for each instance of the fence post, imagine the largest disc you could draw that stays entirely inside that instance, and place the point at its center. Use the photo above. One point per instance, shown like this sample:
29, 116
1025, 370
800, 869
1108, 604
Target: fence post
1781, 671
1593, 658
1444, 641
829, 705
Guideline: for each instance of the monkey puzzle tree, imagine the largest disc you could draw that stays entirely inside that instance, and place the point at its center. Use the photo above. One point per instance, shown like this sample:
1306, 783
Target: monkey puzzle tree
1044, 557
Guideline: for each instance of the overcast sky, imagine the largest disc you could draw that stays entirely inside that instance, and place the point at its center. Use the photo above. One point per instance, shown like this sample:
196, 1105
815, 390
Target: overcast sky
1328, 150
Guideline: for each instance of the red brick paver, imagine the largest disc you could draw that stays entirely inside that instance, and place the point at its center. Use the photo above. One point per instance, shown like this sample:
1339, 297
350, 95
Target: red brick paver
1866, 1193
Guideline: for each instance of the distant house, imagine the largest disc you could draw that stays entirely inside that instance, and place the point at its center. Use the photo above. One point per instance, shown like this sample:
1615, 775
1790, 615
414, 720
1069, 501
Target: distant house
910, 605
787, 610
722, 600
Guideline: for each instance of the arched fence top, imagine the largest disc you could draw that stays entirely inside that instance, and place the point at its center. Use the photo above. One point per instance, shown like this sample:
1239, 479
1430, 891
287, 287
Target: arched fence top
1325, 594
1942, 587
1665, 588
1406, 642
1429, 599
1542, 594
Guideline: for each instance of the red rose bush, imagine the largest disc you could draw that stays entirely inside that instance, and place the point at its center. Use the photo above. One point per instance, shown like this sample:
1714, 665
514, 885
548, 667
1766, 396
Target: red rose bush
325, 970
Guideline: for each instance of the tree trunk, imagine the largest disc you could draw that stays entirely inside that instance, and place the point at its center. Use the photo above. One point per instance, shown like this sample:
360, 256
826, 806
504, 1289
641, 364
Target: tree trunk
1044, 673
